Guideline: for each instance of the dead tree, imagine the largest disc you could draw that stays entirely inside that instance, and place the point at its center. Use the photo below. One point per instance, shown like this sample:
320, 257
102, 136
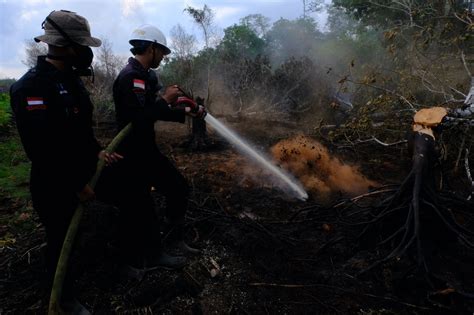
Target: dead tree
419, 216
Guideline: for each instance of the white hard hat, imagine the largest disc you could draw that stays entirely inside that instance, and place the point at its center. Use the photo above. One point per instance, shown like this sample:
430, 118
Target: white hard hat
149, 33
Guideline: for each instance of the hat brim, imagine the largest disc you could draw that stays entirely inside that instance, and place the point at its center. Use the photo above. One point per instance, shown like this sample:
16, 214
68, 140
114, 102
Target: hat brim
58, 40
52, 40
166, 50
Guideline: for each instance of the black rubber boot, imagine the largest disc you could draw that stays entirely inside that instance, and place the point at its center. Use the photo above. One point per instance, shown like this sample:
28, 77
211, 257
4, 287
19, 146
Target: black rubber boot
163, 260
74, 307
176, 241
185, 248
129, 272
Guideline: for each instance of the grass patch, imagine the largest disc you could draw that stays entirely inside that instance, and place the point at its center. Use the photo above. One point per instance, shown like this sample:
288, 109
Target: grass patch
5, 111
14, 169
16, 213
14, 165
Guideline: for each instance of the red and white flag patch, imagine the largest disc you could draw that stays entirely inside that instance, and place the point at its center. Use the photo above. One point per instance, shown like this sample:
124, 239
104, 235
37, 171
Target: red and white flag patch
35, 103
139, 84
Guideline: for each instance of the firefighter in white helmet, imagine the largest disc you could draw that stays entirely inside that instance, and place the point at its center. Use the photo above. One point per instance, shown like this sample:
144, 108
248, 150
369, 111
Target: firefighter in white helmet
138, 101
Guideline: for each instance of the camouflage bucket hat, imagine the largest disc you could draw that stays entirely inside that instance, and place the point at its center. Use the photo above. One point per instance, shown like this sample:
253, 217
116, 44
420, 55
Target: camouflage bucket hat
73, 25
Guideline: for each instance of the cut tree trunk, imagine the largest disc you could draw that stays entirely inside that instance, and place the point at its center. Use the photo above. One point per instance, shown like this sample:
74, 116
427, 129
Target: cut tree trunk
199, 139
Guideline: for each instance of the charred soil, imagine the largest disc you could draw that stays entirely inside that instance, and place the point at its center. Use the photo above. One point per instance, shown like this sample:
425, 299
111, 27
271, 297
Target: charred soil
262, 252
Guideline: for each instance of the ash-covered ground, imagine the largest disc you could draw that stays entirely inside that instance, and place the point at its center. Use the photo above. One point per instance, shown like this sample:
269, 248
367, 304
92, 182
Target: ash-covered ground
263, 252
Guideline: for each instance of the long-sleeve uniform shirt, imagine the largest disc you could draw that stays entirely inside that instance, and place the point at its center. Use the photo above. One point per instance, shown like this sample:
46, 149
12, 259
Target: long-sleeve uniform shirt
53, 113
135, 97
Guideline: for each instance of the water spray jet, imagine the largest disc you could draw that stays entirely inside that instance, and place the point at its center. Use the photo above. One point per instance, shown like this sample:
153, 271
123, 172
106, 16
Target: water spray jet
290, 182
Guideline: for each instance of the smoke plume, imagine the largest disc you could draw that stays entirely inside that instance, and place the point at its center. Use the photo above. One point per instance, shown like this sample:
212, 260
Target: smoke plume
321, 174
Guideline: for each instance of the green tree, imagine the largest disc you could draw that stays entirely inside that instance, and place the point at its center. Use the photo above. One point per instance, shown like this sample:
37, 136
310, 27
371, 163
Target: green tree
240, 41
292, 38
204, 18
258, 23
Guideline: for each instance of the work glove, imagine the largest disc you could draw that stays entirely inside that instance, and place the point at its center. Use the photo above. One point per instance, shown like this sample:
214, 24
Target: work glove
191, 108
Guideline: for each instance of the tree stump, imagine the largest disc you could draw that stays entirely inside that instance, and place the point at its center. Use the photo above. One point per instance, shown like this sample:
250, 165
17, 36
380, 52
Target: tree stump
417, 219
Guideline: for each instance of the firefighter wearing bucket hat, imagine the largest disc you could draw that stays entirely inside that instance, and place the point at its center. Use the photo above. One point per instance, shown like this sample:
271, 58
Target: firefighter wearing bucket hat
53, 114
137, 101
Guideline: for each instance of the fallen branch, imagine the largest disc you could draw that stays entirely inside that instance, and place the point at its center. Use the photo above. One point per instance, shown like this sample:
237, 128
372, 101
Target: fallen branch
380, 190
56, 291
468, 172
463, 59
316, 285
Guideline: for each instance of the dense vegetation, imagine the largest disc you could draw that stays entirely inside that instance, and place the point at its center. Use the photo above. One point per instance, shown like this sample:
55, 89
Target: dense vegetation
5, 113
376, 61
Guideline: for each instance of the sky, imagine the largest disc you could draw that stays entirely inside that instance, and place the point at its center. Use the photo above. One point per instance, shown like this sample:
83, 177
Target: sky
20, 20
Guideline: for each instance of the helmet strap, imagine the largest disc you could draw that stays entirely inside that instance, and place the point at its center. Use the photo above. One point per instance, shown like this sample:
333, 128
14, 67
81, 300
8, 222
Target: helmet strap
154, 55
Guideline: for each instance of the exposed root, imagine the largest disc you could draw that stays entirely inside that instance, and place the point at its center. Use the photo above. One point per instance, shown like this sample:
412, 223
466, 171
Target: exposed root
415, 215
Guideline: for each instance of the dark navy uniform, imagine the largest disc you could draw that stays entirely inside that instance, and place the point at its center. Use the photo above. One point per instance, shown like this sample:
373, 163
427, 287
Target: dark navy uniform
135, 96
53, 114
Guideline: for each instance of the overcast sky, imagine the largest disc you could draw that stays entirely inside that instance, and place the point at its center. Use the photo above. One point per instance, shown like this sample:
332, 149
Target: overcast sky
20, 20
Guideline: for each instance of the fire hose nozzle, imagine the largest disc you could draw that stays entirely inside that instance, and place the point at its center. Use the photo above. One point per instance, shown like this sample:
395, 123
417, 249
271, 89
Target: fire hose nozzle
183, 102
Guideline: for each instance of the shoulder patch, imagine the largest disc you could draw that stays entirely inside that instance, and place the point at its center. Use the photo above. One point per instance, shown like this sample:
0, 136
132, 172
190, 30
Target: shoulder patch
137, 83
35, 103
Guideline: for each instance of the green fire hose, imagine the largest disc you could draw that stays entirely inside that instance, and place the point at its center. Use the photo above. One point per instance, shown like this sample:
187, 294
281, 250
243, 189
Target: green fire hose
56, 291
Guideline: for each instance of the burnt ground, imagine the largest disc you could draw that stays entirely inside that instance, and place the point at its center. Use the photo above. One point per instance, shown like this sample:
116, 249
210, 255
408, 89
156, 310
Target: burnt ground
263, 252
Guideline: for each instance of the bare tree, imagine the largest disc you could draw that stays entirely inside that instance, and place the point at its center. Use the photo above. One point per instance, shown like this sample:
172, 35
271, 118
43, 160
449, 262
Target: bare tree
312, 6
106, 68
183, 44
32, 51
204, 18
108, 64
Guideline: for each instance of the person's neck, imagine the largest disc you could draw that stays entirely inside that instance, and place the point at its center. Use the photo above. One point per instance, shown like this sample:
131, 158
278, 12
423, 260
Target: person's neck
143, 61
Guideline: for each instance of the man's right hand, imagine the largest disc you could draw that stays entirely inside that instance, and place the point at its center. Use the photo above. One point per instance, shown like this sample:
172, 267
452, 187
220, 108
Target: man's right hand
86, 194
109, 158
171, 93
